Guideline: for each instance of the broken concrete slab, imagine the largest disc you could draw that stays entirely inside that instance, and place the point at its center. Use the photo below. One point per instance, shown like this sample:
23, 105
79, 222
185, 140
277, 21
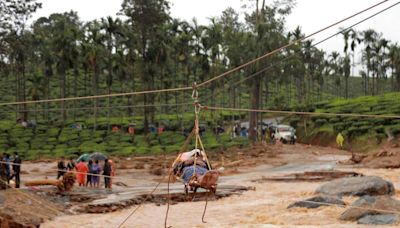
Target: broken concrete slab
357, 186
318, 201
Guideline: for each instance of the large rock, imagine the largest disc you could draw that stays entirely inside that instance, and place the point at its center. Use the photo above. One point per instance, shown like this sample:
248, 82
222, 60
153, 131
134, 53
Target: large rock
371, 205
357, 186
379, 219
318, 201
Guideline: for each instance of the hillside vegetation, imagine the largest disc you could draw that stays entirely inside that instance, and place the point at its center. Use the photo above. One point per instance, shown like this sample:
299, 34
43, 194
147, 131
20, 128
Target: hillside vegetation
52, 141
361, 134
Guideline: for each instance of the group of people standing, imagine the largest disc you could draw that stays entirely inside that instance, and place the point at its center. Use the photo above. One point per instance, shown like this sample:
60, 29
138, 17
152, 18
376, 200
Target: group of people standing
88, 173
5, 168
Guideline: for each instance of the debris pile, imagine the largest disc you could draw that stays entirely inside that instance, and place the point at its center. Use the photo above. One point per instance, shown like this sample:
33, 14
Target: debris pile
385, 158
24, 209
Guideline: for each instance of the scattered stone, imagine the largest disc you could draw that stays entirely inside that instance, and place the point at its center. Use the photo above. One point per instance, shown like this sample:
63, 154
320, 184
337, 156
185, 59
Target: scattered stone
384, 153
379, 219
371, 205
358, 158
320, 201
357, 186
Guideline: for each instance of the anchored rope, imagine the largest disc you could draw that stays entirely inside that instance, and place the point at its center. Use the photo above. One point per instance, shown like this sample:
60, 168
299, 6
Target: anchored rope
98, 96
102, 107
158, 184
203, 83
288, 45
314, 45
303, 113
205, 206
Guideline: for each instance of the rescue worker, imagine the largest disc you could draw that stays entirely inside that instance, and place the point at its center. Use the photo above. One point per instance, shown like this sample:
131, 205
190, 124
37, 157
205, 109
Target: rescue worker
16, 170
3, 177
81, 169
107, 172
61, 168
6, 160
340, 140
71, 165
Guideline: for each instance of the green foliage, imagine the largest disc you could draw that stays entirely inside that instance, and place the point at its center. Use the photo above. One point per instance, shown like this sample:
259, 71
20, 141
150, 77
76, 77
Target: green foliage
361, 133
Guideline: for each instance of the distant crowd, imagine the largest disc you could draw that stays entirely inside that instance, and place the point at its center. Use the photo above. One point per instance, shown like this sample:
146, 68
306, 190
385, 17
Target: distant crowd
88, 173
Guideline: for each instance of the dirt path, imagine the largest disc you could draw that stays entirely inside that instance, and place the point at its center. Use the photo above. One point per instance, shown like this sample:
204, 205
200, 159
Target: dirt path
264, 207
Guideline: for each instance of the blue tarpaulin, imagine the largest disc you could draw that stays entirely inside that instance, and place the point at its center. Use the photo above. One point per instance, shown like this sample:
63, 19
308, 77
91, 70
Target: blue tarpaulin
188, 172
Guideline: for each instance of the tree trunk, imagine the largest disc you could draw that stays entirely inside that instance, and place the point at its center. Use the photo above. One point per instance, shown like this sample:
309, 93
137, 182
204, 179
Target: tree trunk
254, 102
96, 92
76, 74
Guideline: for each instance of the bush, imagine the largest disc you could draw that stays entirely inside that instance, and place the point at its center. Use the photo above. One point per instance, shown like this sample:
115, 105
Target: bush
122, 152
173, 149
53, 131
156, 150
47, 147
142, 150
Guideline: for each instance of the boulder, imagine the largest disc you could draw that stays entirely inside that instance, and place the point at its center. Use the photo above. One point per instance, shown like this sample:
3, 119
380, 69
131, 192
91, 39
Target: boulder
379, 219
357, 186
371, 205
319, 202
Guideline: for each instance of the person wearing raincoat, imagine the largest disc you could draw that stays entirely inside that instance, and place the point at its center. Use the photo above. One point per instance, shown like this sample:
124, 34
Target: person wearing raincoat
81, 169
340, 140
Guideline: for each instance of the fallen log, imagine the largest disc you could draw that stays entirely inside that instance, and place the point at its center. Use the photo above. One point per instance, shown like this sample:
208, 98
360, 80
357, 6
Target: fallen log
64, 185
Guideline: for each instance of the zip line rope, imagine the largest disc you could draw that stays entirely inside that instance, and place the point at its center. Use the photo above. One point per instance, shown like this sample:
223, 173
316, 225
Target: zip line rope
101, 107
301, 113
306, 201
289, 45
236, 83
98, 96
207, 81
314, 45
216, 78
183, 148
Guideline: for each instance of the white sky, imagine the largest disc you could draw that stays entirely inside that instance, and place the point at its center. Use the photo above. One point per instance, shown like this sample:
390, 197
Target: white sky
311, 15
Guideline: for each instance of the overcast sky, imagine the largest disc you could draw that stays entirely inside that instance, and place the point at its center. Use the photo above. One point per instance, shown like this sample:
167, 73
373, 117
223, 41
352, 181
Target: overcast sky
311, 15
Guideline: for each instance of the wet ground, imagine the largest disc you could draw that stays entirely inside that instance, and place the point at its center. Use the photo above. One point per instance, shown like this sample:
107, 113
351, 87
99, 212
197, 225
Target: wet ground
264, 207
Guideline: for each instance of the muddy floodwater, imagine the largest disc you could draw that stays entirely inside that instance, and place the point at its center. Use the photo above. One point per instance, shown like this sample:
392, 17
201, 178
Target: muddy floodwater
266, 206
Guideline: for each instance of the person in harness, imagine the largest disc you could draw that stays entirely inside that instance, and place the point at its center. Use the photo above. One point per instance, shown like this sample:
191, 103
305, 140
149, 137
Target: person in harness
195, 171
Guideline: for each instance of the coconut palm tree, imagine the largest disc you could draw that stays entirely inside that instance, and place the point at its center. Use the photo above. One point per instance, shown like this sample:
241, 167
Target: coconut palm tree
368, 38
112, 29
394, 63
94, 55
